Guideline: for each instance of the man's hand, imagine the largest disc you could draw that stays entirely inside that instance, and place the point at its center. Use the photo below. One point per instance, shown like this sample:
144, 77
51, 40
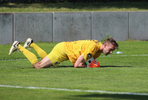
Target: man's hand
80, 63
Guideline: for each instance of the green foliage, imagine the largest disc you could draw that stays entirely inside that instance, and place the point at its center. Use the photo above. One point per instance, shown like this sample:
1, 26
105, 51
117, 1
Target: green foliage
57, 1
73, 7
105, 37
118, 73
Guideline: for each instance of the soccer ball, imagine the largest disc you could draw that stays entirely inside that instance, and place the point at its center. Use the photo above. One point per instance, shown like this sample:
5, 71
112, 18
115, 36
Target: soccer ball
92, 63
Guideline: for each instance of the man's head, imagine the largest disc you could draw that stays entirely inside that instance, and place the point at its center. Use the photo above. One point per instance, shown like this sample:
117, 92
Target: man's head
109, 46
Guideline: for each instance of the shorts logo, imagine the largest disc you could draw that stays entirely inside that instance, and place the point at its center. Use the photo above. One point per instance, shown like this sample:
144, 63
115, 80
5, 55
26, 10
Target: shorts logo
88, 55
56, 62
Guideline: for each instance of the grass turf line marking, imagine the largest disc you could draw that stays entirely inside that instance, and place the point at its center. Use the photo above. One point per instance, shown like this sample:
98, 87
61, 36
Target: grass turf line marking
12, 59
100, 56
124, 55
77, 90
15, 59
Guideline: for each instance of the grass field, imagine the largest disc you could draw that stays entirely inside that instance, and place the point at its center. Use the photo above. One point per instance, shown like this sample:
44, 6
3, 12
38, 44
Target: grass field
126, 72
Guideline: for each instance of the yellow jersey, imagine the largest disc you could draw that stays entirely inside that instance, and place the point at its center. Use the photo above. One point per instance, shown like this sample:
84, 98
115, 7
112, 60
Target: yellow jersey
87, 48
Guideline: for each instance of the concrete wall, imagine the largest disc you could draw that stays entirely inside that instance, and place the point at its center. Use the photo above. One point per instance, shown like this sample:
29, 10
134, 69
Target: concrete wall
69, 26
72, 26
113, 24
138, 28
38, 26
6, 28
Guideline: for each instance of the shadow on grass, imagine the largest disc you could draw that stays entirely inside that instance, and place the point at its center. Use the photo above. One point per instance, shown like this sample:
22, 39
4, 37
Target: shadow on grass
110, 97
72, 67
64, 66
99, 67
114, 66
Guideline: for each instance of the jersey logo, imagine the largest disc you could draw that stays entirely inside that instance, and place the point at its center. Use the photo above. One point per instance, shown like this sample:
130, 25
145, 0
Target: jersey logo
56, 62
88, 55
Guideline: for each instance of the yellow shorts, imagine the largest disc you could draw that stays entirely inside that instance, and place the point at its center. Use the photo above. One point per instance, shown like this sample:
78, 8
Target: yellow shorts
57, 55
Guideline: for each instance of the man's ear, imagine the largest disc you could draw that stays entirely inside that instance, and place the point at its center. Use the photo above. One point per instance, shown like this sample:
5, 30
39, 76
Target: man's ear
105, 45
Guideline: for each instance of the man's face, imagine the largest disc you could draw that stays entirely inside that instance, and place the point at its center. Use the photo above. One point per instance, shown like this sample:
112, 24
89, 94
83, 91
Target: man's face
108, 49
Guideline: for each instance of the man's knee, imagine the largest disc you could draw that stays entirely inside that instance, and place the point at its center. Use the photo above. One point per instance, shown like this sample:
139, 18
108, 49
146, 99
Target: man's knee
44, 63
36, 65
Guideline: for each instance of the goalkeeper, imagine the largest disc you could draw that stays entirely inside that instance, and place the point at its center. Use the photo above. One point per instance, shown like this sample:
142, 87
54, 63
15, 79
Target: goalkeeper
78, 52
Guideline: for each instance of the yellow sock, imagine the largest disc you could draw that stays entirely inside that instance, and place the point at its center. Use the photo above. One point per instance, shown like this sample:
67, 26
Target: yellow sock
29, 55
39, 51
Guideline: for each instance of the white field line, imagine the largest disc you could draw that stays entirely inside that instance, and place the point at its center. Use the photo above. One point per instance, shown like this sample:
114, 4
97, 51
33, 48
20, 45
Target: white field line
14, 59
118, 55
76, 90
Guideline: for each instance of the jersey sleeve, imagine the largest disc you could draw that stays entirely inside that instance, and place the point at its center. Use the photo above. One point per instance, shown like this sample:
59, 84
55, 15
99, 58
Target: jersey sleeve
89, 52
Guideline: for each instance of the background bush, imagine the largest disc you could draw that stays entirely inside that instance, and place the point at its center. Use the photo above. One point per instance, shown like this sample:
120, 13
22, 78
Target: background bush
56, 1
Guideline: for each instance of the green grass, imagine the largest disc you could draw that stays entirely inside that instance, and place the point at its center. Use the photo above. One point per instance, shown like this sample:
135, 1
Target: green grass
118, 73
74, 7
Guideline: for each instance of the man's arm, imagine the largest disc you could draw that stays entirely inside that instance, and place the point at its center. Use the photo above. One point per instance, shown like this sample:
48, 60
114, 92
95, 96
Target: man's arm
80, 63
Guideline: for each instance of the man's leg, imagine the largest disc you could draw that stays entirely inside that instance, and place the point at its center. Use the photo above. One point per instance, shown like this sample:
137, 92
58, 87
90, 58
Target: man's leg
29, 55
29, 43
39, 51
44, 63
